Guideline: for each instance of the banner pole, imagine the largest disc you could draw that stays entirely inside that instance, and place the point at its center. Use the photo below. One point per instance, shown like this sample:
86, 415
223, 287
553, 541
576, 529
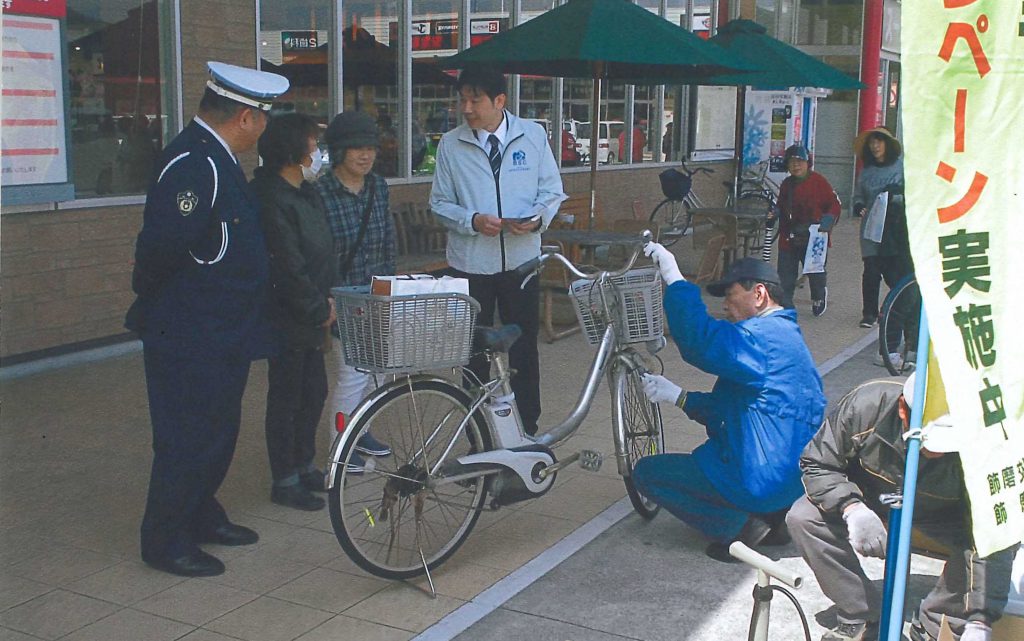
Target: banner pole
899, 590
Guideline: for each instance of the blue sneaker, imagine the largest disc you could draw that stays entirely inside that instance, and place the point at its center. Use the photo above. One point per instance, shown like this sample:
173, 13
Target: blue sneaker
371, 446
355, 464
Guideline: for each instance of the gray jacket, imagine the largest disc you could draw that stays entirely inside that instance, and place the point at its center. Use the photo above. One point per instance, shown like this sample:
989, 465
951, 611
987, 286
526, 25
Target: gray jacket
464, 185
873, 180
859, 453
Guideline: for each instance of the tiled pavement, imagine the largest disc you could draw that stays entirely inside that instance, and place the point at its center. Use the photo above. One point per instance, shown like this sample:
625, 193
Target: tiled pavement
74, 462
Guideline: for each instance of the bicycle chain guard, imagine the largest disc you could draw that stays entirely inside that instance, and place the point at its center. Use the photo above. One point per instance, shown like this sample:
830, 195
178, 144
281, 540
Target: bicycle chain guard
591, 460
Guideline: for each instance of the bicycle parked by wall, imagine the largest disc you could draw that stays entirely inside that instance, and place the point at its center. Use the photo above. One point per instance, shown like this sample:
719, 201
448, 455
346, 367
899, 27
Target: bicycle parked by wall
674, 214
404, 515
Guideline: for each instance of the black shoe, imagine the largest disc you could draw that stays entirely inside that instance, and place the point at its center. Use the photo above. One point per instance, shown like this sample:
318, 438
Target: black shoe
819, 306
296, 496
371, 446
777, 536
917, 631
753, 533
229, 534
198, 563
853, 632
312, 480
867, 321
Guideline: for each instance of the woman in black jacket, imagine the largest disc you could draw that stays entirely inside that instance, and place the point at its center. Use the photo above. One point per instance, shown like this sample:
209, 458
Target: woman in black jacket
302, 269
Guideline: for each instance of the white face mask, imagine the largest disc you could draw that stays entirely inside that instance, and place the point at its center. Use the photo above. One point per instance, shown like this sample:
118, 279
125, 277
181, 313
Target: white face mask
310, 173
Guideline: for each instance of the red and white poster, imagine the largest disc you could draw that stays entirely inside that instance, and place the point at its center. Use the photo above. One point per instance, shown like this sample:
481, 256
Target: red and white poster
33, 148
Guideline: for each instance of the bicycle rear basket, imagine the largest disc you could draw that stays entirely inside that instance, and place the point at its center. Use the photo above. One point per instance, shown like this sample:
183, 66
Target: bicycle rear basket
634, 301
394, 334
675, 184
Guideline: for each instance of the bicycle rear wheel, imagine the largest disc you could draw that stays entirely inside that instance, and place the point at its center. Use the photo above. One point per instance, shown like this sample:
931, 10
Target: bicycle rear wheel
673, 218
643, 434
897, 329
383, 510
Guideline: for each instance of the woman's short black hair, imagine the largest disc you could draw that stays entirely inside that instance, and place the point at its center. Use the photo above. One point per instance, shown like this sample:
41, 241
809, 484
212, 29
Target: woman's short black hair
891, 151
285, 141
483, 79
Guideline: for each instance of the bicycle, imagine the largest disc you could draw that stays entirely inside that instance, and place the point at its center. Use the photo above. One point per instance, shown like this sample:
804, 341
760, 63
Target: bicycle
674, 214
404, 515
897, 326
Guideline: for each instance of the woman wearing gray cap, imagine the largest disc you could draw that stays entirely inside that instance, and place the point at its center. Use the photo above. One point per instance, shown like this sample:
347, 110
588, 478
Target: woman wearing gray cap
359, 216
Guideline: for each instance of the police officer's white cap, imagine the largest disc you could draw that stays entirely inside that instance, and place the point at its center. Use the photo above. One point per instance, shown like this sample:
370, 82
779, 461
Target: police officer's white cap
939, 435
247, 86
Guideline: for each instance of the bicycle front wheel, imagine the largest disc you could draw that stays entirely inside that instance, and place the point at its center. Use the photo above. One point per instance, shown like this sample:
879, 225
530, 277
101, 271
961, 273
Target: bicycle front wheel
897, 328
642, 434
386, 511
673, 218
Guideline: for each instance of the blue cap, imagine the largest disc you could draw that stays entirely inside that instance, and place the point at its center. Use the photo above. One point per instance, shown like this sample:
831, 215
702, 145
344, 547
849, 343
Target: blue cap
797, 151
748, 268
247, 86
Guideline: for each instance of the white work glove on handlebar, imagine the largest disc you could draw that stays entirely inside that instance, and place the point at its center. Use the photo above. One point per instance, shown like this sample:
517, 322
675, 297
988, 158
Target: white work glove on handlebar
661, 390
867, 534
976, 631
665, 261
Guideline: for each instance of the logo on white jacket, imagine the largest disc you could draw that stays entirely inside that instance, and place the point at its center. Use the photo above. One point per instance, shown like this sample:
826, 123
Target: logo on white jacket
519, 158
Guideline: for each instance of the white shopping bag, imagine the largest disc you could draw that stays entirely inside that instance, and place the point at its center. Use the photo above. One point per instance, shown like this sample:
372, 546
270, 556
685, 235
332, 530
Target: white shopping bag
817, 251
417, 284
425, 330
874, 223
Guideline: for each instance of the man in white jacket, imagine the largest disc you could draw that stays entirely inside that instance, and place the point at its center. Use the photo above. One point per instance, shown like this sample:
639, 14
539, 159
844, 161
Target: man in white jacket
496, 188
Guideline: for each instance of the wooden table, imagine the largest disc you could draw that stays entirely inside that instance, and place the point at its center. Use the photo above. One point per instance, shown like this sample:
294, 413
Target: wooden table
741, 226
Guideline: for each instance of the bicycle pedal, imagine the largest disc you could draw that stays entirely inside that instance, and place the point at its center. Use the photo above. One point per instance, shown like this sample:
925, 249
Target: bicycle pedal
591, 460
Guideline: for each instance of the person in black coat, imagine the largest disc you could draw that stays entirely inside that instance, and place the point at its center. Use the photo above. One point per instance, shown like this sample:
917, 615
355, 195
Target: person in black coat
302, 269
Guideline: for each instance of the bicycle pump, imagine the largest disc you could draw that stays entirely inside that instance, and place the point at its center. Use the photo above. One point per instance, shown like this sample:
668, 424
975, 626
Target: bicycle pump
766, 570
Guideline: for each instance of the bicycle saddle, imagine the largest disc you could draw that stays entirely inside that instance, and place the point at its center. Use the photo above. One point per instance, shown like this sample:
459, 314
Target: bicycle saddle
495, 339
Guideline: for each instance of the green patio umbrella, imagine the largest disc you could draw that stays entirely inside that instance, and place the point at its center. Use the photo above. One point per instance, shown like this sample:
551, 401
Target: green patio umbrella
784, 66
602, 40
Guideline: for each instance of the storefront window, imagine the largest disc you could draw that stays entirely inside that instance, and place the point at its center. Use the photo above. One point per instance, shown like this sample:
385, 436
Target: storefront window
829, 22
294, 42
435, 103
118, 61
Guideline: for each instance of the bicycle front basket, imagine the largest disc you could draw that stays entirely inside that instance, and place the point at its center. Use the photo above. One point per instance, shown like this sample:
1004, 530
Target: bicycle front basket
674, 184
635, 305
393, 334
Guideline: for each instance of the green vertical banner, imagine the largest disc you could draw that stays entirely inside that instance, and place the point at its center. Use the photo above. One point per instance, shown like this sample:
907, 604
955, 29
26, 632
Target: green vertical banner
963, 115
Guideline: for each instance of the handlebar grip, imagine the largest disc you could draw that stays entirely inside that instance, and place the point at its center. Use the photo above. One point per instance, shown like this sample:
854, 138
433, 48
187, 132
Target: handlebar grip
760, 562
527, 268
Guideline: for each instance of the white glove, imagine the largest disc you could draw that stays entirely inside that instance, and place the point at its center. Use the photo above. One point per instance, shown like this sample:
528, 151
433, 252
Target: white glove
976, 631
659, 389
867, 534
665, 261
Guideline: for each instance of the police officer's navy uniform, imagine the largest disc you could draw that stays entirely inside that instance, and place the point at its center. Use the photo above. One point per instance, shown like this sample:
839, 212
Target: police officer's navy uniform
201, 274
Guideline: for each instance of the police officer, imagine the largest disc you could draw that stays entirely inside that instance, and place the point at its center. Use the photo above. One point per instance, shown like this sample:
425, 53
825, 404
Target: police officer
200, 277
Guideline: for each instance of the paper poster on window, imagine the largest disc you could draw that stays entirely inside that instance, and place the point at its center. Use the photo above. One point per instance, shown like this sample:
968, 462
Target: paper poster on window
33, 146
964, 87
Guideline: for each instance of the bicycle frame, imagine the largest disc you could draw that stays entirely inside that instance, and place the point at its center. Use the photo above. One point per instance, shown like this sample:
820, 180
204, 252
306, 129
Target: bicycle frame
512, 435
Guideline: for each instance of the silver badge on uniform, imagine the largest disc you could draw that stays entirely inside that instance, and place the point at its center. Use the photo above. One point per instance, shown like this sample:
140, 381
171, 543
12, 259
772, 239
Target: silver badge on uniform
187, 202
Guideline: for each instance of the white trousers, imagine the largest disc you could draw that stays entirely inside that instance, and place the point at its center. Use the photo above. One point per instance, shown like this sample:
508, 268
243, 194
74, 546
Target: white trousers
352, 388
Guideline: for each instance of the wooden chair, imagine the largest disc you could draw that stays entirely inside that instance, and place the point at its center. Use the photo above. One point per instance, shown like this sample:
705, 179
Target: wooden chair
706, 227
710, 267
617, 255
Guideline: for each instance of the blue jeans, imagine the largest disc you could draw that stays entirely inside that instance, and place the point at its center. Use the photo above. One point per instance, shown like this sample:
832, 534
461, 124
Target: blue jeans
676, 482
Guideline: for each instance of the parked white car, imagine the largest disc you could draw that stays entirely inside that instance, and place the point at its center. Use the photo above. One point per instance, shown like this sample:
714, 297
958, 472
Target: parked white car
607, 140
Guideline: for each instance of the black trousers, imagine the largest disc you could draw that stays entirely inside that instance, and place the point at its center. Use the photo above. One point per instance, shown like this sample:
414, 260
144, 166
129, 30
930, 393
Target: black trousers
297, 390
501, 292
789, 264
195, 404
878, 268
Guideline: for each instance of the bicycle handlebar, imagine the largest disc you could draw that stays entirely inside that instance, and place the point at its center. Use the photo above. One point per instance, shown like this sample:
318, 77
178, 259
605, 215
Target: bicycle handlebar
532, 267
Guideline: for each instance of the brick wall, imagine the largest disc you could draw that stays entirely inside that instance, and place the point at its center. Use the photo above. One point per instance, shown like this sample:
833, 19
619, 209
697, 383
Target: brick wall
66, 275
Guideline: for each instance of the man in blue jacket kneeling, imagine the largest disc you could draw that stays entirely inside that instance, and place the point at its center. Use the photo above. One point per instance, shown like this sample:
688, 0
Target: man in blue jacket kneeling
764, 408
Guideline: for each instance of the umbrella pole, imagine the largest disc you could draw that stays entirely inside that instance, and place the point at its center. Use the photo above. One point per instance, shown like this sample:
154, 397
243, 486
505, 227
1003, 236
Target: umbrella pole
741, 100
595, 132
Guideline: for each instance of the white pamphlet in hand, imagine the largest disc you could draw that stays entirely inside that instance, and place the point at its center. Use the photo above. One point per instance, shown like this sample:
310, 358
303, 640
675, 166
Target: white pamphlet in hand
817, 251
874, 223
